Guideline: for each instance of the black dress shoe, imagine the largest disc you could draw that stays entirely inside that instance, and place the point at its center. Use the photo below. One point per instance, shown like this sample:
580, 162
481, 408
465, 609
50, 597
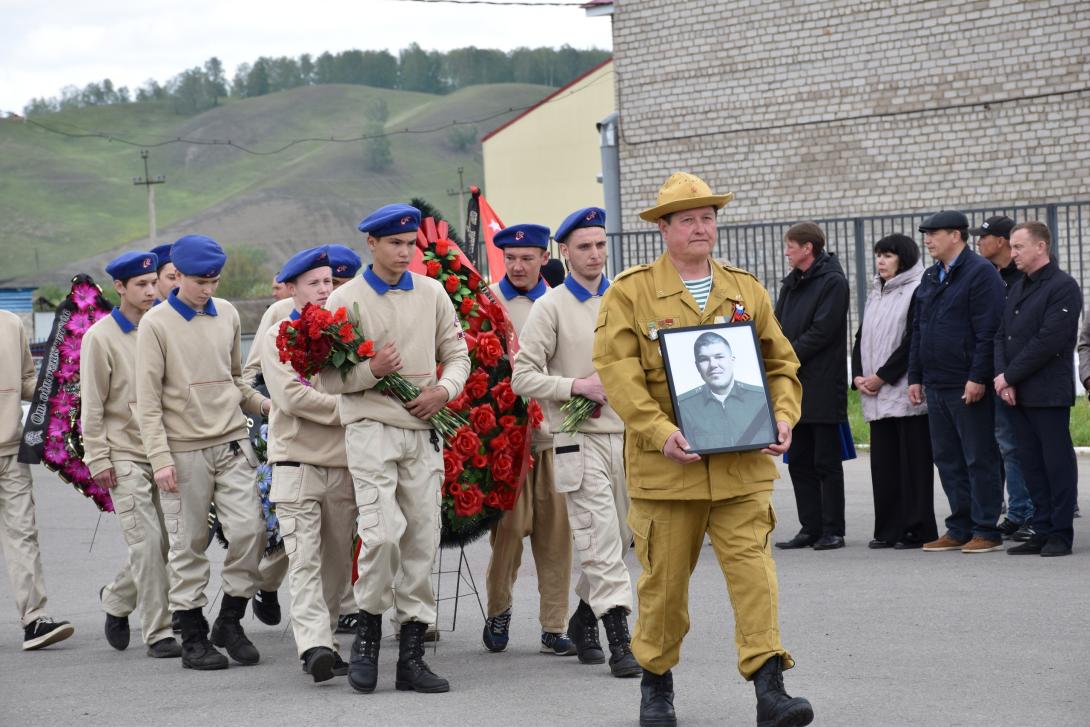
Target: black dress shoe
908, 545
877, 544
829, 542
1030, 547
801, 540
117, 631
1055, 547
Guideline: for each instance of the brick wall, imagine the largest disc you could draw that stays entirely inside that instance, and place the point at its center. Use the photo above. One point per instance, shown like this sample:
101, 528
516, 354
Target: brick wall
854, 107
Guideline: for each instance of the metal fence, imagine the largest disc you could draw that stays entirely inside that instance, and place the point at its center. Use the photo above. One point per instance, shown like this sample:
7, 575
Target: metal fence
758, 247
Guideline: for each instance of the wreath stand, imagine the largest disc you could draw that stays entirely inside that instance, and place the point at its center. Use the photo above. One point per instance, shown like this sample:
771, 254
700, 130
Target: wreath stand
464, 587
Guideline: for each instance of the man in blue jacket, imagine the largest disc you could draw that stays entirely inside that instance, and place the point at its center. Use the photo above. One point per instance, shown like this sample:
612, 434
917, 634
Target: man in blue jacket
1034, 363
950, 363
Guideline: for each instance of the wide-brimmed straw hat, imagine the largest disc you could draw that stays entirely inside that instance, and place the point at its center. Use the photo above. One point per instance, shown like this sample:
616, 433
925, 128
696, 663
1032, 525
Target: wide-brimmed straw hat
684, 191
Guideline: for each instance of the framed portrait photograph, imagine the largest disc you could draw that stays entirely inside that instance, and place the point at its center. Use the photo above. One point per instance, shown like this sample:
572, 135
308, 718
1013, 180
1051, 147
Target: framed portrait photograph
718, 387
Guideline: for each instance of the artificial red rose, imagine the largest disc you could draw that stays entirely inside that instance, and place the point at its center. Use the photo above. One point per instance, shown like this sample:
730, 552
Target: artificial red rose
466, 442
442, 246
340, 315
475, 322
433, 268
493, 500
489, 349
455, 264
366, 349
453, 283
517, 437
476, 385
452, 466
453, 488
459, 403
507, 421
483, 418
471, 341
536, 416
474, 281
466, 307
503, 467
502, 393
468, 502
508, 497
480, 461
499, 443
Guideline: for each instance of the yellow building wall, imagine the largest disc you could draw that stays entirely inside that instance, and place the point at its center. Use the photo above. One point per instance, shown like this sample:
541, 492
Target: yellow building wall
546, 164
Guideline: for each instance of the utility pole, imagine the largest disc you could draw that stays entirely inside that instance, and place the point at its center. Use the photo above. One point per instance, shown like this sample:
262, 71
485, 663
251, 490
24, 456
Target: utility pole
148, 181
461, 192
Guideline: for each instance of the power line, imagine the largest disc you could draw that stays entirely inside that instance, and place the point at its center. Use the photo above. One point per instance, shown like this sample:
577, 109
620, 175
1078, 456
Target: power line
498, 2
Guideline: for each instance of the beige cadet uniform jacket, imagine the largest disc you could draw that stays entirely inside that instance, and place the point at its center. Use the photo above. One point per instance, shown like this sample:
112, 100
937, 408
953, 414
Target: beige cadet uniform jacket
304, 423
425, 329
651, 297
17, 381
559, 337
189, 381
275, 313
518, 310
107, 387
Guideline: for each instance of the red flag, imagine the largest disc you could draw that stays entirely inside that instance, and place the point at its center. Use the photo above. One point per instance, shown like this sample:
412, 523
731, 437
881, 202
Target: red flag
490, 225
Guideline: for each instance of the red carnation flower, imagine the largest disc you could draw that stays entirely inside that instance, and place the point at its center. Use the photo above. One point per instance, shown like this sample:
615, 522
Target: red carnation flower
366, 349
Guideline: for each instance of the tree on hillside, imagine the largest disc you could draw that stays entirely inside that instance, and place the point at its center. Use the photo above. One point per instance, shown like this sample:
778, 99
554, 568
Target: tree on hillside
257, 80
247, 274
215, 78
377, 155
306, 68
419, 70
462, 137
376, 110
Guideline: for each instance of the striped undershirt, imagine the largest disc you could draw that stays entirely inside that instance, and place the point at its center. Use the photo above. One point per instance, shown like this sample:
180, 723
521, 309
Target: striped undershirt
700, 290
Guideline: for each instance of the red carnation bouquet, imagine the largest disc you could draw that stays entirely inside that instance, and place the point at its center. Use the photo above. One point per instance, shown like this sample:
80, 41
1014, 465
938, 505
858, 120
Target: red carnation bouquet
320, 338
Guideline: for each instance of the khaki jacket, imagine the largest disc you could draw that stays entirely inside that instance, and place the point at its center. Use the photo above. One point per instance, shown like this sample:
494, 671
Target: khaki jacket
17, 380
630, 365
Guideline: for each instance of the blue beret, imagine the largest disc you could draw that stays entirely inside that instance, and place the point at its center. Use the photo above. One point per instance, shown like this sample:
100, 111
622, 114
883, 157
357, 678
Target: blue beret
393, 219
198, 255
586, 217
344, 260
302, 261
522, 236
163, 253
130, 264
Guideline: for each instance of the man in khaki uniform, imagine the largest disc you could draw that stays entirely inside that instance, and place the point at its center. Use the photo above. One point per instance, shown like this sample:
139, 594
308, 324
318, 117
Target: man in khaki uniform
679, 497
18, 531
115, 456
188, 391
553, 365
394, 455
311, 486
539, 512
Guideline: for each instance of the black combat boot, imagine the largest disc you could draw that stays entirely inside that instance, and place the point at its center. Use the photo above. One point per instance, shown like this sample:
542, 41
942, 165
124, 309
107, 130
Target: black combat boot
197, 651
412, 672
227, 631
621, 661
583, 630
657, 700
363, 663
775, 707
318, 662
267, 607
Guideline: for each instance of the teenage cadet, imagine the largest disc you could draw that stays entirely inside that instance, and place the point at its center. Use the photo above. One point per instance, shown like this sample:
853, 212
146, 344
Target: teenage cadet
115, 456
553, 365
394, 455
188, 391
18, 531
678, 497
540, 511
168, 274
311, 486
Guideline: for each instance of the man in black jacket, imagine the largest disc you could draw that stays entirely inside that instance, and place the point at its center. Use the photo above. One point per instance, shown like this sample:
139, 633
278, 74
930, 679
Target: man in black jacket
813, 311
951, 363
1034, 352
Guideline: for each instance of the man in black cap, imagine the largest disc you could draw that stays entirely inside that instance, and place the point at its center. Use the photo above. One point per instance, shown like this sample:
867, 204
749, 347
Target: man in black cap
993, 243
958, 304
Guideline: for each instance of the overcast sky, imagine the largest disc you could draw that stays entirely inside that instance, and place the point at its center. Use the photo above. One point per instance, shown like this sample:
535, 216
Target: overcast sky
48, 44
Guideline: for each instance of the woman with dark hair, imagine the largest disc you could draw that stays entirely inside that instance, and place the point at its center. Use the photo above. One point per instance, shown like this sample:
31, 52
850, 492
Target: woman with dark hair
900, 458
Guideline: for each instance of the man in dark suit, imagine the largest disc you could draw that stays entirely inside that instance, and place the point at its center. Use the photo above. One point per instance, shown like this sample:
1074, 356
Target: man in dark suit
1034, 363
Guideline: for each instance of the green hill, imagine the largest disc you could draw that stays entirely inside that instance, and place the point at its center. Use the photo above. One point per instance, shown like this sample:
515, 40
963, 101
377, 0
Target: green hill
69, 203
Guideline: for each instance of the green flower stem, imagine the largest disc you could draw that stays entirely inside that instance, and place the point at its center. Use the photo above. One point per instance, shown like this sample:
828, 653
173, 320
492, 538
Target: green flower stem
445, 421
576, 411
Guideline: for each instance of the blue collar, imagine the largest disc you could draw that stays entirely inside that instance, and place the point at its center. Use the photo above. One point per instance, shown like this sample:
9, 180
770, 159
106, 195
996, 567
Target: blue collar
123, 323
382, 287
184, 310
582, 294
294, 315
510, 292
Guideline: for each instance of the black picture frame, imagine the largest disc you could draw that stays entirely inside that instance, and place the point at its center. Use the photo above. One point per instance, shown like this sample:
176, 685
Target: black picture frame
697, 412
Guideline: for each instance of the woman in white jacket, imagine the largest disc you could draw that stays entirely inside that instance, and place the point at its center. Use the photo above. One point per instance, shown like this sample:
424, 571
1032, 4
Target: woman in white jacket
900, 459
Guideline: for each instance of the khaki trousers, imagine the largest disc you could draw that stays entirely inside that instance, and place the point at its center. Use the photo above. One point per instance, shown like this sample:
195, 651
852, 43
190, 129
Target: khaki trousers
590, 473
539, 512
316, 508
19, 539
669, 535
273, 567
144, 578
223, 474
397, 475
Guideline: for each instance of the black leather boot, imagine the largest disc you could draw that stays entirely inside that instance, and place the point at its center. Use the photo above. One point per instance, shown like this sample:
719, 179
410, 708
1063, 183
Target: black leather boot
197, 651
227, 631
363, 662
621, 662
775, 707
583, 630
657, 700
412, 673
318, 662
267, 607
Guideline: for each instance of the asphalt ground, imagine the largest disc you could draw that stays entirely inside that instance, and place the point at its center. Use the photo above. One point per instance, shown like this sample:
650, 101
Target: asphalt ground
897, 638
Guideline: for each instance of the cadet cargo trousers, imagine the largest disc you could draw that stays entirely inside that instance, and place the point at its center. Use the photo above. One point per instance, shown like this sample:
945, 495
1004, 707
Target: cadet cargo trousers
19, 539
589, 471
669, 535
539, 512
397, 475
144, 578
273, 567
223, 474
316, 508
